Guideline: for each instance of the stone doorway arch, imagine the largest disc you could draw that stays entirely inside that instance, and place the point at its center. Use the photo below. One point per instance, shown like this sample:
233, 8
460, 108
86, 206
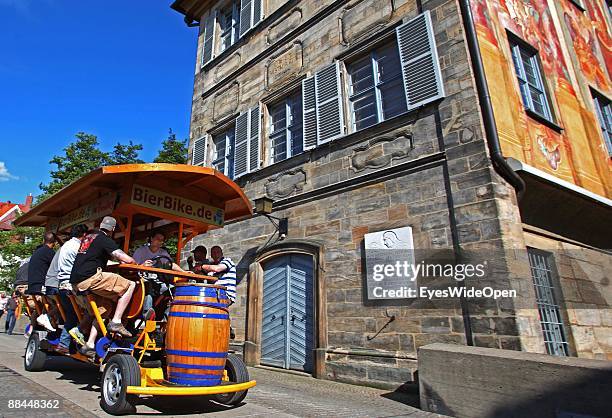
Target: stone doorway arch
253, 335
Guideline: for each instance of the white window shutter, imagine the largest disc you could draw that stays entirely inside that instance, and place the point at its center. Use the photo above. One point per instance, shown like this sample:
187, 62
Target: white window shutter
198, 156
328, 92
420, 65
309, 113
209, 38
246, 13
241, 156
257, 12
254, 139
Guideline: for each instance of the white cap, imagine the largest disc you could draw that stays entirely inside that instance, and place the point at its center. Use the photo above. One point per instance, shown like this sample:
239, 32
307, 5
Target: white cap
108, 223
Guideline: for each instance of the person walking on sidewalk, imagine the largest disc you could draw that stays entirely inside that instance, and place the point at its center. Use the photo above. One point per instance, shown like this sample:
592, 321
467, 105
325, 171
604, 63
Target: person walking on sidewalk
3, 300
11, 307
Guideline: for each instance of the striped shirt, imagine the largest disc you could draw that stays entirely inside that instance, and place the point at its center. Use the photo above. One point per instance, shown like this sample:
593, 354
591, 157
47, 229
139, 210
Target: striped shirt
227, 278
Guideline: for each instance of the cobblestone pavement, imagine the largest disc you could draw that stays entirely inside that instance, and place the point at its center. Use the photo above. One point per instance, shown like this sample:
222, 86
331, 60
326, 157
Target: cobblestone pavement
277, 394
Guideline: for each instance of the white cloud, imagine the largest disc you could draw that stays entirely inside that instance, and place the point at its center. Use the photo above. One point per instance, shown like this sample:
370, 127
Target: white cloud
4, 173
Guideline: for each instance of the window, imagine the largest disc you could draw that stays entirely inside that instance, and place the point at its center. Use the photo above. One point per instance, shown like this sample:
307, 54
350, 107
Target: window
229, 24
531, 83
604, 115
224, 152
375, 87
399, 76
286, 128
543, 274
233, 20
251, 13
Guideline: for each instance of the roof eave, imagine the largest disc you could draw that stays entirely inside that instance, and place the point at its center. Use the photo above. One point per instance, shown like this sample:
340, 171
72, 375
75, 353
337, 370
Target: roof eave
191, 9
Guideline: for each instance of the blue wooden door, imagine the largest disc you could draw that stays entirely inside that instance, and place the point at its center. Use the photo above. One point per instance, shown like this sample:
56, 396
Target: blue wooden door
288, 313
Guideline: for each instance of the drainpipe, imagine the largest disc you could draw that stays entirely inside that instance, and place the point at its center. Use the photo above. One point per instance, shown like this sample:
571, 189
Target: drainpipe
499, 162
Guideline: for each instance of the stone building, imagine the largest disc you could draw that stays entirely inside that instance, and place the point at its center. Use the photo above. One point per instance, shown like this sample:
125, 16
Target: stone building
362, 116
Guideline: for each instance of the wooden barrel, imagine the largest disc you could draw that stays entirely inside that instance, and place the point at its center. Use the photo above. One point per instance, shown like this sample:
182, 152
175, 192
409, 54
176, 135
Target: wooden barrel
197, 337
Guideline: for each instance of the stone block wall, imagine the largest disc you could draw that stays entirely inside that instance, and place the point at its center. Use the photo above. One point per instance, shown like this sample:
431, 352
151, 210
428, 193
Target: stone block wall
428, 169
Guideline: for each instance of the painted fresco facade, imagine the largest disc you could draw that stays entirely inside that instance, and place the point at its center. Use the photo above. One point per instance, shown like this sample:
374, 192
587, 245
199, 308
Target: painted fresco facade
575, 50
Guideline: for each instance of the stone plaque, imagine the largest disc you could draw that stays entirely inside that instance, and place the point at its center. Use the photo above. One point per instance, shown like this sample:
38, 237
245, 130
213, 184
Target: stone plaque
362, 18
284, 25
284, 65
228, 66
285, 184
226, 101
390, 265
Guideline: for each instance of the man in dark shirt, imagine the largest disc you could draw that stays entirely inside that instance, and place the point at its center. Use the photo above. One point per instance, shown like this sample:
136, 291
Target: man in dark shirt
199, 256
95, 251
39, 264
37, 272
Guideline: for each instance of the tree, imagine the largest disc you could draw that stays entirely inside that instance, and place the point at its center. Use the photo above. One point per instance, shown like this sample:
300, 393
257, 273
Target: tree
126, 154
83, 156
15, 246
174, 151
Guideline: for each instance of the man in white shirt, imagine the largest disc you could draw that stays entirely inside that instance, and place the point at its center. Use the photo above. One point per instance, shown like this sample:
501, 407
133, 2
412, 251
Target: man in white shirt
224, 269
59, 274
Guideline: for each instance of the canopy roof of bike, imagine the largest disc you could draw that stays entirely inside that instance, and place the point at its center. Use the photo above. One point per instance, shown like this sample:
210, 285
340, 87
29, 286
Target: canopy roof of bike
171, 197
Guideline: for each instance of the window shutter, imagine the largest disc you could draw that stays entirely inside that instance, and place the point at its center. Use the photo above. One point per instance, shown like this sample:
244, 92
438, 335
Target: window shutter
251, 13
198, 155
309, 113
257, 12
209, 37
330, 120
242, 145
420, 65
254, 139
245, 16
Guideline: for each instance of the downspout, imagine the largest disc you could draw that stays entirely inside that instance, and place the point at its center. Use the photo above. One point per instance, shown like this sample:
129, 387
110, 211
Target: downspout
499, 162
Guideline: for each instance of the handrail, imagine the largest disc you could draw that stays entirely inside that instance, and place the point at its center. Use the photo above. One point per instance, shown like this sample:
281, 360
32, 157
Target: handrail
182, 274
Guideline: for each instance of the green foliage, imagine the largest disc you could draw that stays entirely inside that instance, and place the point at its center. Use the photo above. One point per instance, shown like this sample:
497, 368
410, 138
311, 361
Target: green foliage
83, 156
15, 246
80, 157
171, 245
126, 154
174, 151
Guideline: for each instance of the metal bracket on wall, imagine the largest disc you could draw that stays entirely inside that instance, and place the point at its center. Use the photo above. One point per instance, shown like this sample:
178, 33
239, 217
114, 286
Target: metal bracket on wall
391, 319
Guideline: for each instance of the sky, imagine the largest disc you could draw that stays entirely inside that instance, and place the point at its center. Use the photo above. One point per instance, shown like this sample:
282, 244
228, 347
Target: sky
119, 69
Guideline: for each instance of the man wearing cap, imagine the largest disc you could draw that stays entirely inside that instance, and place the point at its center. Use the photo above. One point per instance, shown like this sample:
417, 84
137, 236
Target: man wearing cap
95, 251
198, 258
